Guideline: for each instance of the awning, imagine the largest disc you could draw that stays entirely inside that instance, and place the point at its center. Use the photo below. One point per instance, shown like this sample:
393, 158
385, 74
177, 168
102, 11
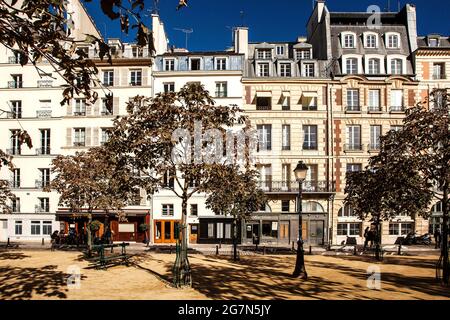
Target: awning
264, 94
309, 94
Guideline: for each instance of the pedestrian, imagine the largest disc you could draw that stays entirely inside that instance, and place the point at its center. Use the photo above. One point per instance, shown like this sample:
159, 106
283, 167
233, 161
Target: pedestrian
108, 235
55, 239
366, 237
437, 237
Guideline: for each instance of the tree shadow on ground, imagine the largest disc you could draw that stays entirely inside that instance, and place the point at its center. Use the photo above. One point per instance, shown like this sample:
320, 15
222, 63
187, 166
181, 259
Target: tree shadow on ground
12, 256
409, 261
141, 258
23, 283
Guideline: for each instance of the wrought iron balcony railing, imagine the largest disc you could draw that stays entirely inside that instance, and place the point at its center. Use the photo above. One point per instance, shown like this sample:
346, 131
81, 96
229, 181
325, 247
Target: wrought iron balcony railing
263, 108
292, 186
15, 84
373, 147
353, 109
43, 151
13, 60
397, 108
79, 144
14, 151
41, 209
14, 115
79, 113
14, 184
44, 114
374, 109
353, 147
41, 184
45, 83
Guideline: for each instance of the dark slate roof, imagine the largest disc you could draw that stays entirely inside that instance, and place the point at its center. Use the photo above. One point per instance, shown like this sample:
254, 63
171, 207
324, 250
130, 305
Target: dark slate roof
202, 53
444, 41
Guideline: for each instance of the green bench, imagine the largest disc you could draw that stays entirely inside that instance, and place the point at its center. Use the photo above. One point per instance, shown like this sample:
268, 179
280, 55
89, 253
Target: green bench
103, 260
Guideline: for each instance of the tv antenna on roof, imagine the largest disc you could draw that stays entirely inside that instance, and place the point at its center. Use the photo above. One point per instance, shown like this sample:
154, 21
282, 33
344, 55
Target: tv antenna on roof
186, 32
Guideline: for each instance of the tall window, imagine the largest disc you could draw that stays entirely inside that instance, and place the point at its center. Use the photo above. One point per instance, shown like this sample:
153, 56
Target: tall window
44, 178
438, 71
280, 50
265, 137
46, 228
393, 41
286, 176
374, 66
221, 64
194, 210
374, 100
353, 100
195, 64
353, 138
221, 89
371, 41
167, 210
309, 70
310, 137
169, 87
263, 70
17, 81
169, 179
263, 103
44, 205
35, 228
16, 109
15, 204
105, 111
286, 137
18, 228
136, 78
137, 52
169, 65
80, 107
264, 54
352, 66
45, 142
16, 148
15, 178
108, 78
285, 206
105, 136
396, 100
354, 167
285, 70
79, 137
349, 41
396, 66
346, 211
375, 134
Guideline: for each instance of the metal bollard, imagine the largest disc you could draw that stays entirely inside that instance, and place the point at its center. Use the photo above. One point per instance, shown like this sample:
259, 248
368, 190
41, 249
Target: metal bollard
43, 241
170, 250
400, 249
8, 243
310, 250
293, 246
355, 251
264, 251
217, 250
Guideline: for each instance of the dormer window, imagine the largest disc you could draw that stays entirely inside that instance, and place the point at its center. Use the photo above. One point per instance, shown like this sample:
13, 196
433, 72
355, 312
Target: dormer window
303, 54
221, 64
264, 54
396, 66
433, 42
280, 50
371, 41
374, 66
393, 40
352, 66
169, 65
137, 52
349, 40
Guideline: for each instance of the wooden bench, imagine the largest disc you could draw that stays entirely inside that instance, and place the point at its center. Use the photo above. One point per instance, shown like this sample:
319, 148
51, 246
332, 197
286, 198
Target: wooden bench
103, 260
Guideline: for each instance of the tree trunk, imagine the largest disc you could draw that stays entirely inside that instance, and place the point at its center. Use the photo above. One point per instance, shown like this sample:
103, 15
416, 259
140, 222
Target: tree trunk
235, 257
182, 268
444, 250
378, 253
89, 234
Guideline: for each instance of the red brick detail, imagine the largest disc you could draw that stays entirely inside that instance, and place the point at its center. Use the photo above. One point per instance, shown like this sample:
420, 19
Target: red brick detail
426, 70
424, 98
338, 175
337, 138
411, 98
339, 97
325, 95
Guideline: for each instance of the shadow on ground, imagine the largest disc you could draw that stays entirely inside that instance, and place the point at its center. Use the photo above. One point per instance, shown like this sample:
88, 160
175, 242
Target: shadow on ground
12, 256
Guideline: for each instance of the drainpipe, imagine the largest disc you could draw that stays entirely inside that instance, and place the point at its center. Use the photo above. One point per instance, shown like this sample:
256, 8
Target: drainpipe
331, 153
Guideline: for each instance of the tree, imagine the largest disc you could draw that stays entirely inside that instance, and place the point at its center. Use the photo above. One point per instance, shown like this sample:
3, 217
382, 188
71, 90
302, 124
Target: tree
235, 193
93, 180
155, 138
411, 170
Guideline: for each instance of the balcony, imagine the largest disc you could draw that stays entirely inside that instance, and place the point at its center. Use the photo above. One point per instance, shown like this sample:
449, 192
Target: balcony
353, 147
43, 151
375, 109
14, 151
41, 209
397, 109
353, 109
15, 84
292, 186
14, 184
310, 147
79, 113
43, 114
41, 184
45, 83
263, 108
79, 144
13, 60
374, 147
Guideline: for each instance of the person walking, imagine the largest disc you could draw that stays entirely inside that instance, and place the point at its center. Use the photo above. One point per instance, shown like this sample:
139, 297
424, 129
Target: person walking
366, 237
437, 238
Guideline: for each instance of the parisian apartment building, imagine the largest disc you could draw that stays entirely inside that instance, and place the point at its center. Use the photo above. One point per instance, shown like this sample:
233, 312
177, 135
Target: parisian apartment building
324, 98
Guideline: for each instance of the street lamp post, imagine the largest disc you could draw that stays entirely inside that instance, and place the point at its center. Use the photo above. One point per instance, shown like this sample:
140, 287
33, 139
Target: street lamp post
300, 175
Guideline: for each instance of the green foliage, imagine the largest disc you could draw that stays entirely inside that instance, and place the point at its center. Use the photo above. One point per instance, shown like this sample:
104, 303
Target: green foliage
95, 225
144, 227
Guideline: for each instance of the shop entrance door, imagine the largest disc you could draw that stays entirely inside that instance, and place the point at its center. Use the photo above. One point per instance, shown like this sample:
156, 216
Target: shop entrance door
193, 235
316, 232
284, 231
165, 231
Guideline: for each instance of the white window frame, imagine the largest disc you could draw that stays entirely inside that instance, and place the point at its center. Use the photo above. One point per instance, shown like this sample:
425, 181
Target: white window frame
218, 63
396, 102
264, 54
373, 66
263, 74
169, 64
345, 40
285, 69
79, 135
367, 42
391, 35
303, 54
307, 70
389, 64
134, 73
167, 210
374, 100
375, 134
108, 78
221, 89
352, 138
286, 137
280, 50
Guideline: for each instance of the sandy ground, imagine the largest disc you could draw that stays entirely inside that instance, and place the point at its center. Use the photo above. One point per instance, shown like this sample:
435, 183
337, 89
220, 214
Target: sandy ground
43, 275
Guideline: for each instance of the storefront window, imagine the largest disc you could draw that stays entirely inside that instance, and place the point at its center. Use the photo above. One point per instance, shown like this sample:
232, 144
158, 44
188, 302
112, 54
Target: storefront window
228, 231
270, 229
211, 230
220, 231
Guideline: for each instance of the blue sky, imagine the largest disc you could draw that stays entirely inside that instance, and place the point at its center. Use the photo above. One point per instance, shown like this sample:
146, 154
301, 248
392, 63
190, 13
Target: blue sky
268, 20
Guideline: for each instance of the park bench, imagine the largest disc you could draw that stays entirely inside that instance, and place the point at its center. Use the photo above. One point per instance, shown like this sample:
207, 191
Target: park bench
103, 260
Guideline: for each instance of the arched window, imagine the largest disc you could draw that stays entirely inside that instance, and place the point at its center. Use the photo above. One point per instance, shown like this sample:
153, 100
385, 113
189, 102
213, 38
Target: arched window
312, 207
346, 211
371, 41
396, 66
374, 66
